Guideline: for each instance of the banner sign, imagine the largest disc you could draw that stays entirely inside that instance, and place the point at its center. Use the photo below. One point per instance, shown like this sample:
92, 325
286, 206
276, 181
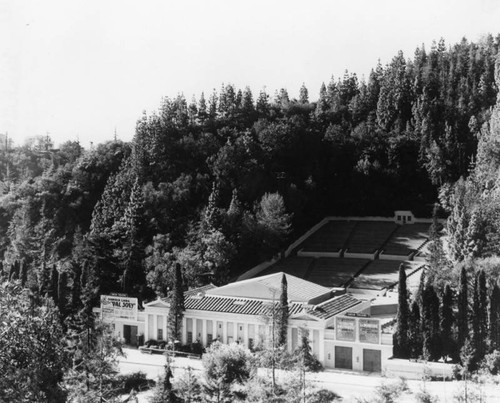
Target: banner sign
346, 329
357, 315
114, 307
369, 331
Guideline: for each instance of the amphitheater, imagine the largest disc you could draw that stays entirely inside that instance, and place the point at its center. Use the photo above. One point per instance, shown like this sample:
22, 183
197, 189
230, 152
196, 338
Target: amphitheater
360, 254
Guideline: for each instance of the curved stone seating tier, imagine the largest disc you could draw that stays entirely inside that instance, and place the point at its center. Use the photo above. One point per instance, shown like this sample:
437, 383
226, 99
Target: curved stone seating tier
331, 237
407, 239
369, 236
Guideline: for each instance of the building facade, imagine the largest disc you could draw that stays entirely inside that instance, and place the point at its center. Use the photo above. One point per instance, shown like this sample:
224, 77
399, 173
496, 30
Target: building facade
340, 328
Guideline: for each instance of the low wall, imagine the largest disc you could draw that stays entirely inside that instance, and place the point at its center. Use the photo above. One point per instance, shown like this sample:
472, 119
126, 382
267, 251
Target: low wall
358, 218
302, 253
370, 256
401, 258
396, 367
305, 236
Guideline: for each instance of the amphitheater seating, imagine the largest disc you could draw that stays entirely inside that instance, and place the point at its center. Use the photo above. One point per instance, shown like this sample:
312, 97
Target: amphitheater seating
407, 239
335, 272
368, 236
329, 238
380, 274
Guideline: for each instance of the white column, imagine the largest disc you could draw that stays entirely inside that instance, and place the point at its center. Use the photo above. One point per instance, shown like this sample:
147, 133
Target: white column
183, 339
195, 330
165, 328
245, 335
224, 335
155, 327
289, 338
321, 350
146, 328
204, 333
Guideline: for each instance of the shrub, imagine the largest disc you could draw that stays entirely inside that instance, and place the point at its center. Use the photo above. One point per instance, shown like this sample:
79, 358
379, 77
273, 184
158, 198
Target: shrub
322, 396
491, 363
423, 396
225, 365
136, 381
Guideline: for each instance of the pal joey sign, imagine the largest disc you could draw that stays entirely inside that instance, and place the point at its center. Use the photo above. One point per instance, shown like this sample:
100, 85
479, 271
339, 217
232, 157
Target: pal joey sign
118, 307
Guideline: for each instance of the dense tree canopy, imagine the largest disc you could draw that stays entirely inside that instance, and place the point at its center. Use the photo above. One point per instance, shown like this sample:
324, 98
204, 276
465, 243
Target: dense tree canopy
221, 183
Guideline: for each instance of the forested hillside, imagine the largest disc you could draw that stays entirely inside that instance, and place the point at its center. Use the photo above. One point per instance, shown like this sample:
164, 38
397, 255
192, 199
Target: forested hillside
222, 182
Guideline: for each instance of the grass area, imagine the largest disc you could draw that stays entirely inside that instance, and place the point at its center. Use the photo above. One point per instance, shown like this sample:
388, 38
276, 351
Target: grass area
334, 272
407, 239
369, 236
329, 238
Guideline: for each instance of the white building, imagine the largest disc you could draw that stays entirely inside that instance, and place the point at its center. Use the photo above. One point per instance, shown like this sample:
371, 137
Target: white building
341, 331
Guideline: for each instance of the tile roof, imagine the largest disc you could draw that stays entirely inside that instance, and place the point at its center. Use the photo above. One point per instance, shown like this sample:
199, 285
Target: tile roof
245, 306
333, 306
268, 287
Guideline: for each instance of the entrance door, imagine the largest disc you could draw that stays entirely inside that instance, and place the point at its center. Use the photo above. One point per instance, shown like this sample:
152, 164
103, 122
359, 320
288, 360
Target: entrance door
130, 334
343, 357
372, 361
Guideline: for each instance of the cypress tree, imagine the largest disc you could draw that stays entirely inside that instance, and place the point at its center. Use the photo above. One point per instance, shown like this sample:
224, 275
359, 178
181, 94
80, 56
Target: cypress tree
430, 324
401, 348
176, 310
479, 317
463, 310
415, 331
446, 322
61, 292
283, 313
495, 318
24, 273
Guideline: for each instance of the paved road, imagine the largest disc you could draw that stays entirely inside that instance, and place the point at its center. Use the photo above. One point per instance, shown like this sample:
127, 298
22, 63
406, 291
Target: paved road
349, 385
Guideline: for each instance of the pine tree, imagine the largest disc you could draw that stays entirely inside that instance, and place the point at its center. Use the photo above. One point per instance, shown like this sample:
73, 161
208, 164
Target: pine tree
463, 310
495, 318
212, 219
415, 331
283, 313
131, 253
202, 109
303, 95
479, 318
176, 310
401, 347
262, 105
446, 323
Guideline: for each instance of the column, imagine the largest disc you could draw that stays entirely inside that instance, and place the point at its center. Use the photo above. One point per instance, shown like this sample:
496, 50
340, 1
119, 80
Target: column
165, 328
195, 330
321, 342
225, 335
204, 333
155, 327
183, 339
245, 335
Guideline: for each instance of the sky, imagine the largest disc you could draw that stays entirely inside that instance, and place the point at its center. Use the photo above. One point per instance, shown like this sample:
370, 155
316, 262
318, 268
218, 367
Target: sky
81, 70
